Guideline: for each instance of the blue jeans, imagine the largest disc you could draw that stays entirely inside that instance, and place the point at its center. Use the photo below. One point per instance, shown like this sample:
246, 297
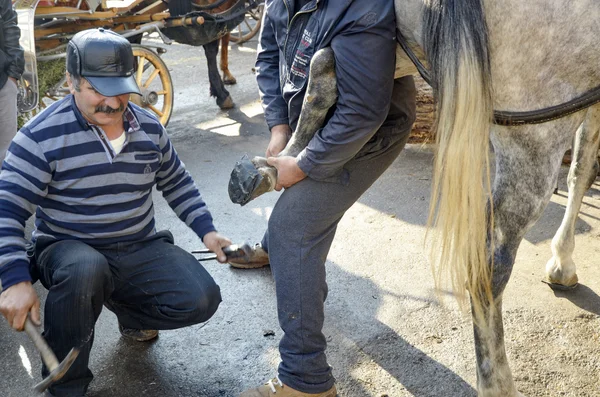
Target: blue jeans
148, 284
300, 233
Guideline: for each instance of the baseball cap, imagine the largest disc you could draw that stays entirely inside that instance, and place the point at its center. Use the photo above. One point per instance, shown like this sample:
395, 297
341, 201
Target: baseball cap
105, 59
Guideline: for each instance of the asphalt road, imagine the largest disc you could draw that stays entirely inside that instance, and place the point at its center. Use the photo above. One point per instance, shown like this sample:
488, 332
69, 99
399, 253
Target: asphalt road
388, 333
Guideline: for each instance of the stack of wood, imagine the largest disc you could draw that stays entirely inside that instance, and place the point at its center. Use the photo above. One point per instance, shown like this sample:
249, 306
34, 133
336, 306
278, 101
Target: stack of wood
422, 129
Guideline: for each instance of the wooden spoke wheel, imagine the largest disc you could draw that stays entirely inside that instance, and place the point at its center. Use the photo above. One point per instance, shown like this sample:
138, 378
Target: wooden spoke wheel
154, 80
249, 27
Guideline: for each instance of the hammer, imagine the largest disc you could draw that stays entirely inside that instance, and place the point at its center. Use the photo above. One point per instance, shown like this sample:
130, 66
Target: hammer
57, 370
231, 251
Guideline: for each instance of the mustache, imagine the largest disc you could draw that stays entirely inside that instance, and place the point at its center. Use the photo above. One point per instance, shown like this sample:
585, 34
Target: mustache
108, 110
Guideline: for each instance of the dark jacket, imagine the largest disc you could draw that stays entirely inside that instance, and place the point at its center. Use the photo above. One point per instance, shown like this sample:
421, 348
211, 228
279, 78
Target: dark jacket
362, 36
12, 60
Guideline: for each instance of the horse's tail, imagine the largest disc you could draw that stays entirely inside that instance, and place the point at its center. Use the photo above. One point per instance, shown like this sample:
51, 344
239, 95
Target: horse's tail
456, 43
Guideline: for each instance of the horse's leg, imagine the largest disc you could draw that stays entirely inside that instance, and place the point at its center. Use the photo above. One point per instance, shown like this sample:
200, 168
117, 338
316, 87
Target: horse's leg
560, 269
321, 94
251, 178
217, 89
227, 76
527, 163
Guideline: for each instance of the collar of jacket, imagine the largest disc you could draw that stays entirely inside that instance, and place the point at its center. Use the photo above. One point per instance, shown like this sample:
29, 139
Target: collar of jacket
310, 6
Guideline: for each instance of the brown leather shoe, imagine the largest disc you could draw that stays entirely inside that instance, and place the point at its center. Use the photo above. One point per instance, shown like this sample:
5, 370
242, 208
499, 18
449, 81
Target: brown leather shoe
138, 335
276, 388
254, 258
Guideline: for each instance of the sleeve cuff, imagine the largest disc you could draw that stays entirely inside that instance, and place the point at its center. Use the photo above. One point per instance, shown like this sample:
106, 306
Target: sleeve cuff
273, 121
304, 163
14, 273
202, 226
321, 172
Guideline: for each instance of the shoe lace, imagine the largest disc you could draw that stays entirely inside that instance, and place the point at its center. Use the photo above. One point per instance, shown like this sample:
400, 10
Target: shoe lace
273, 382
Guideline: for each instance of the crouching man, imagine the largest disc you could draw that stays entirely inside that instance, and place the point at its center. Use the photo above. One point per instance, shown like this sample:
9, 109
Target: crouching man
87, 166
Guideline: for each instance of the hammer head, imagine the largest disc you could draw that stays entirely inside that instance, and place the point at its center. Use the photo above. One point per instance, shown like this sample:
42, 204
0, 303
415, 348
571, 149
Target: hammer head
58, 372
237, 251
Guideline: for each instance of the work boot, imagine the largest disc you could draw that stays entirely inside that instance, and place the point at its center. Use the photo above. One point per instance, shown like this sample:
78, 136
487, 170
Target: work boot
255, 257
138, 335
276, 388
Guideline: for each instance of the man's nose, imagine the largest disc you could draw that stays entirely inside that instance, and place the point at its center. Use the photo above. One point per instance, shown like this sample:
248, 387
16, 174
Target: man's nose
113, 102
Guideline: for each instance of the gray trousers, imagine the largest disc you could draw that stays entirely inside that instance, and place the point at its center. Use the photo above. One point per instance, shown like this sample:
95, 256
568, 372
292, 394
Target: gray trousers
8, 116
299, 235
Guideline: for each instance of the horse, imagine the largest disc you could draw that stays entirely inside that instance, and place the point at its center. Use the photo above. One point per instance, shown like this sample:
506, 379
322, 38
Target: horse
514, 56
220, 17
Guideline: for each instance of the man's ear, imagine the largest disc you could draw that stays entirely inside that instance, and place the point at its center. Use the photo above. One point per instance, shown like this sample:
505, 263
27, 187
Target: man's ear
70, 83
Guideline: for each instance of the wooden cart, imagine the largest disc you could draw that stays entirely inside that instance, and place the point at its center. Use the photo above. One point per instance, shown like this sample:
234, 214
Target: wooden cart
47, 26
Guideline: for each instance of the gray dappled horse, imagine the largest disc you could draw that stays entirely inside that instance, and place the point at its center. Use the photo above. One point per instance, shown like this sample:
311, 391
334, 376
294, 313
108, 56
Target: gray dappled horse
520, 56
509, 55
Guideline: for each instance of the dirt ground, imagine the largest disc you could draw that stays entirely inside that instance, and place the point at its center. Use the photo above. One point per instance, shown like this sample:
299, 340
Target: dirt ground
388, 333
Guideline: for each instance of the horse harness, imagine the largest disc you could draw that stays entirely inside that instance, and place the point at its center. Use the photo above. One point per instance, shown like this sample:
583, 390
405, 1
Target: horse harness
507, 118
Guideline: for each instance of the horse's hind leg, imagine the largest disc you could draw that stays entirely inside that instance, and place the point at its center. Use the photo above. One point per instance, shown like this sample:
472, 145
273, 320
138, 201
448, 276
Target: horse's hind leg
527, 163
251, 178
321, 94
217, 88
224, 64
560, 269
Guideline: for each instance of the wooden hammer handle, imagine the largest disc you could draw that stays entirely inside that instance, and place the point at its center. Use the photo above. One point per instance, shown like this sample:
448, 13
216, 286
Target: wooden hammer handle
40, 343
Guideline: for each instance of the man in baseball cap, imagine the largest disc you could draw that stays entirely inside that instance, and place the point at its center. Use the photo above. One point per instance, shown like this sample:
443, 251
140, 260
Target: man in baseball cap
87, 166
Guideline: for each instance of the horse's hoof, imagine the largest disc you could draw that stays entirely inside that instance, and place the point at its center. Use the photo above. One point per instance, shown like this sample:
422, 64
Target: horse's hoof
560, 287
229, 81
250, 179
561, 274
226, 104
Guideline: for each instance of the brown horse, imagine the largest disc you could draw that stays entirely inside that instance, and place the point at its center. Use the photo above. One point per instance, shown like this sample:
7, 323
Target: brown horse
220, 17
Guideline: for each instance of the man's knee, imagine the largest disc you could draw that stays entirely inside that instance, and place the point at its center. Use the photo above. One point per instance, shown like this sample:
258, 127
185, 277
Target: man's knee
197, 305
207, 303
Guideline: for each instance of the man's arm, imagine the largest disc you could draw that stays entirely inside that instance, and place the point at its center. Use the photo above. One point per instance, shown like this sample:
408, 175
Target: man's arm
180, 191
365, 61
182, 195
267, 74
23, 184
12, 48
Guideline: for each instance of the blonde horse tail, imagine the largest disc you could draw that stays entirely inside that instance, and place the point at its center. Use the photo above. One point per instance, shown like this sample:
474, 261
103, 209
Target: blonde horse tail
456, 44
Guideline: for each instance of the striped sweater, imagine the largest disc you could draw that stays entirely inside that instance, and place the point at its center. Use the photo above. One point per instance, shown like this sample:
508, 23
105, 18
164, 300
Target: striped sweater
65, 170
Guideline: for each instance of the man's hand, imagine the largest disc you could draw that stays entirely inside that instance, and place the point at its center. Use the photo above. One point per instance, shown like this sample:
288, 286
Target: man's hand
288, 172
17, 301
215, 242
280, 135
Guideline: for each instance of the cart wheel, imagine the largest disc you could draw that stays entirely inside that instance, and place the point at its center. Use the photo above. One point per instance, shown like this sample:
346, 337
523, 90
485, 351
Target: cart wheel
157, 93
249, 26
